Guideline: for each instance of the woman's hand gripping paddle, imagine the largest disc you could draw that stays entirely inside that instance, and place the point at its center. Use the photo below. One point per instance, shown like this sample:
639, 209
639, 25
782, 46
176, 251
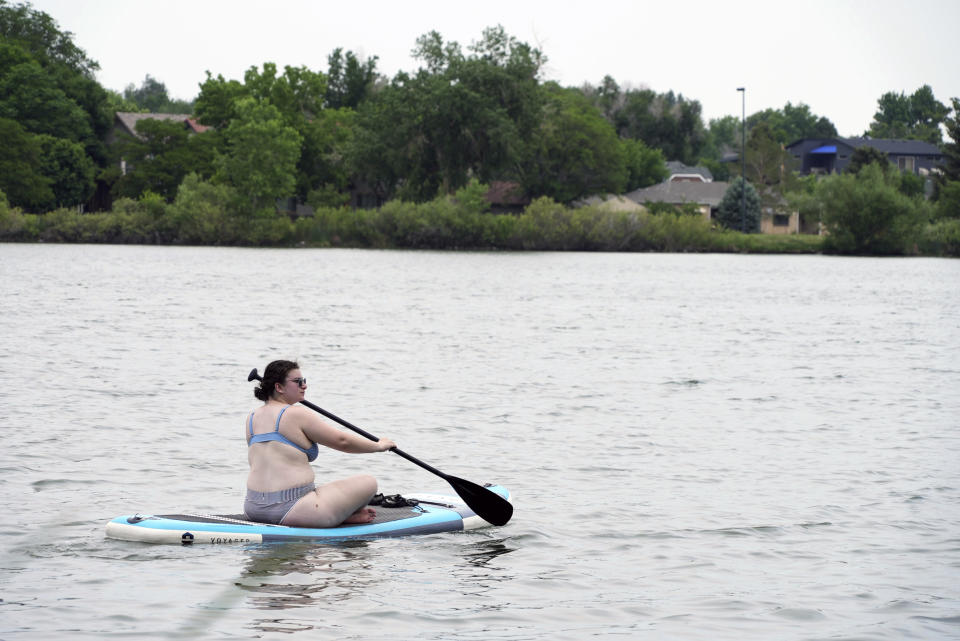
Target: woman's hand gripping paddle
489, 506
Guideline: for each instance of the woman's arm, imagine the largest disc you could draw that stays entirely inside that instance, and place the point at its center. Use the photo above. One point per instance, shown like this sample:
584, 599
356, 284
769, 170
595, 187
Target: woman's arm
319, 431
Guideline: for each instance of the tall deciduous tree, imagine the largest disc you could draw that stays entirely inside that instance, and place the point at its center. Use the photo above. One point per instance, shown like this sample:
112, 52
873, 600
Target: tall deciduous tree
460, 116
152, 96
951, 150
349, 79
21, 168
65, 66
70, 170
161, 157
576, 152
298, 94
948, 183
323, 175
32, 97
768, 165
216, 104
262, 154
722, 138
645, 166
665, 121
792, 123
916, 117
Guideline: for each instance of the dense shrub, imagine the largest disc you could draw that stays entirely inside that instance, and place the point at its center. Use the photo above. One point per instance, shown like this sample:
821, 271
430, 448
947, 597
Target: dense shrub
941, 238
866, 213
948, 201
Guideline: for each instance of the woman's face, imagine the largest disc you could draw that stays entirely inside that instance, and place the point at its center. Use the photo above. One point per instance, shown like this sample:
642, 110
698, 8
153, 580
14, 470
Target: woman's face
294, 387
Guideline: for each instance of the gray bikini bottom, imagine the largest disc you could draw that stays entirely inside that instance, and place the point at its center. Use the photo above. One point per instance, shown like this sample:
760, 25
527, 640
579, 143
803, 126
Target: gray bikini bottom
271, 507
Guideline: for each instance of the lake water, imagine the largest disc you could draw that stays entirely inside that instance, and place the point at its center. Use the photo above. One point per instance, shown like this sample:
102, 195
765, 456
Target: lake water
701, 447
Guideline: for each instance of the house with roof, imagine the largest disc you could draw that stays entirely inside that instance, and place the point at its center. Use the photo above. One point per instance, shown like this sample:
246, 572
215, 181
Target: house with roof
706, 196
679, 172
506, 197
832, 155
125, 124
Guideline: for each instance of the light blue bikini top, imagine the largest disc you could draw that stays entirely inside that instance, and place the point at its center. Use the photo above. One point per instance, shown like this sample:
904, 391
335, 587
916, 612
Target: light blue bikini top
275, 435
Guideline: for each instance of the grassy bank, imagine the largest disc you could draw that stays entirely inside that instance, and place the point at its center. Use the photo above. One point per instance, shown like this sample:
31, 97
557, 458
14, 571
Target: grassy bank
444, 223
453, 222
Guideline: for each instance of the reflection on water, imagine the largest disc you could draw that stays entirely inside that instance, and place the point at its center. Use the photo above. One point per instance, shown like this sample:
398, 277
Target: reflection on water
300, 575
295, 576
486, 551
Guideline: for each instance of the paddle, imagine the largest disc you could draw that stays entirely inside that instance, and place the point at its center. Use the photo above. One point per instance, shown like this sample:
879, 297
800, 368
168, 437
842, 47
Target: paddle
489, 506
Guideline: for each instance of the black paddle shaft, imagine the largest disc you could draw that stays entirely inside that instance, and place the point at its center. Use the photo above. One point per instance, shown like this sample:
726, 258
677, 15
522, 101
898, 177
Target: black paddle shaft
363, 432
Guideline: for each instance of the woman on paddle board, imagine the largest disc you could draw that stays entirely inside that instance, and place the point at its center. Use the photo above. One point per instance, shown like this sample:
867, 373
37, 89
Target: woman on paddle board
283, 439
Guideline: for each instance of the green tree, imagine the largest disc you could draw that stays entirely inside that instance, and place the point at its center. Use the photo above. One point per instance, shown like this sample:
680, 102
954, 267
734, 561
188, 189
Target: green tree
730, 212
66, 68
460, 116
722, 138
863, 156
948, 202
116, 102
915, 117
21, 168
948, 183
262, 153
666, 121
645, 166
866, 213
216, 104
41, 36
298, 94
161, 156
349, 79
32, 97
792, 123
201, 212
69, 169
576, 152
767, 163
906, 182
151, 96
323, 176
951, 149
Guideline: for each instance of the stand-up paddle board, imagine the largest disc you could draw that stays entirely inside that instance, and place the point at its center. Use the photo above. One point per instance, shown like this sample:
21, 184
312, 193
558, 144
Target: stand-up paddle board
432, 513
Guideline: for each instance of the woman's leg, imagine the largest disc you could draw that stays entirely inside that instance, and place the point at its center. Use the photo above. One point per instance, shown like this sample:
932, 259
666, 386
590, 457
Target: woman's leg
342, 501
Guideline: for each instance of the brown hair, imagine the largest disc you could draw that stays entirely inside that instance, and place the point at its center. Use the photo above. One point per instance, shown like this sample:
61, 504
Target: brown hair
276, 372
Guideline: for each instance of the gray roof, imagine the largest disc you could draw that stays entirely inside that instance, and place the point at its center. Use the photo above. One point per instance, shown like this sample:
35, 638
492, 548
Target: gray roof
681, 192
887, 146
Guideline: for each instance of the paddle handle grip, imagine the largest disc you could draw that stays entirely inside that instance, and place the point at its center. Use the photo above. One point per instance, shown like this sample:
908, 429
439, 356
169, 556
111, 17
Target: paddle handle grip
364, 433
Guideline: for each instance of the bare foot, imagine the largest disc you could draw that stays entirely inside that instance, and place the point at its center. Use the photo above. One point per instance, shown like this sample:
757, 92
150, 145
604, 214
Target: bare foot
363, 515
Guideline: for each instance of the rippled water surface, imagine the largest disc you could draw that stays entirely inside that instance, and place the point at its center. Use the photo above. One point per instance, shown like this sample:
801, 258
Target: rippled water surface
700, 446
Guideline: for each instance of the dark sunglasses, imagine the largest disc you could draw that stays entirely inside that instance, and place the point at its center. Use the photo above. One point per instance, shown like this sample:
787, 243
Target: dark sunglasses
302, 382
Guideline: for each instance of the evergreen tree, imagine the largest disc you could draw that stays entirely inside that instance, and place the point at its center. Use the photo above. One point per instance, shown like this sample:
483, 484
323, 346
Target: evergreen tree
730, 213
951, 150
948, 183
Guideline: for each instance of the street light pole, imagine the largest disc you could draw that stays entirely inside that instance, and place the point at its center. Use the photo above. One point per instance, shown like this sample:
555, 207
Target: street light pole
743, 161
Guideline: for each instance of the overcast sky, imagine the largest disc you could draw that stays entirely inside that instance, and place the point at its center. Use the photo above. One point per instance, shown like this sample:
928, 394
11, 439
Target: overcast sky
837, 56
